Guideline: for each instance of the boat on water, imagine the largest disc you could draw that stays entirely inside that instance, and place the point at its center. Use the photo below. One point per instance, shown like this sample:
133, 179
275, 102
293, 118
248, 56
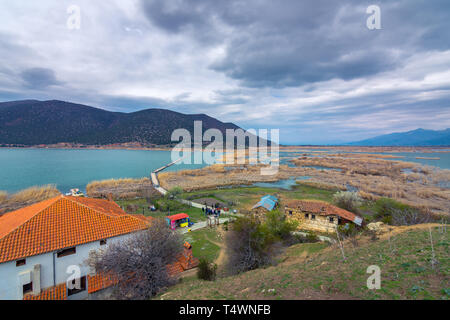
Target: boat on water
75, 193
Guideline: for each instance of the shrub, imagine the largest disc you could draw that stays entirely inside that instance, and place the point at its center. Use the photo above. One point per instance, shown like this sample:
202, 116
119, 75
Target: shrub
347, 200
409, 217
384, 207
206, 270
395, 213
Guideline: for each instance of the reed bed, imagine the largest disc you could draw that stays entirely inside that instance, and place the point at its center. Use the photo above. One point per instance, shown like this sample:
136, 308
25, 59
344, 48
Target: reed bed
121, 188
15, 201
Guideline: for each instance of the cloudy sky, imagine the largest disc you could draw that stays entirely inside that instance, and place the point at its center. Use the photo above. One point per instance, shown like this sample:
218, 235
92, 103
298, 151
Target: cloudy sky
311, 68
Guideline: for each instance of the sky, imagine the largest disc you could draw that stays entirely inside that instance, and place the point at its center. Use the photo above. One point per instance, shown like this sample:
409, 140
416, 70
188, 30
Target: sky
311, 68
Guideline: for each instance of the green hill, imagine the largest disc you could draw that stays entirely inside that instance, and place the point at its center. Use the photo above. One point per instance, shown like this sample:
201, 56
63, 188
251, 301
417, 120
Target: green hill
33, 122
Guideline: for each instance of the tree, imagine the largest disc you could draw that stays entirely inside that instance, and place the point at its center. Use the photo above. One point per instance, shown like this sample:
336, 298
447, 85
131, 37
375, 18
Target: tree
249, 245
279, 227
347, 200
140, 262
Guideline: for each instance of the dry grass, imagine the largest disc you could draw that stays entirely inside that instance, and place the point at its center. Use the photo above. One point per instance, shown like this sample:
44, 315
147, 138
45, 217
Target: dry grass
11, 202
121, 188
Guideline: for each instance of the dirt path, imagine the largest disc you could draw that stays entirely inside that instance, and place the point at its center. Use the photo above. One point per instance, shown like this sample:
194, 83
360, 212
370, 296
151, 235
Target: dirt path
222, 255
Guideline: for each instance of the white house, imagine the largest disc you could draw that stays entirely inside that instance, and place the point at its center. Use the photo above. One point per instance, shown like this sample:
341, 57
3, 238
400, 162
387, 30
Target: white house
43, 247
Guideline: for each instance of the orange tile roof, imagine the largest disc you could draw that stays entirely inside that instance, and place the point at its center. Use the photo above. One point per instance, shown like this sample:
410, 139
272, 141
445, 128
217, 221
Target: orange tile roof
99, 282
185, 261
62, 222
321, 208
58, 292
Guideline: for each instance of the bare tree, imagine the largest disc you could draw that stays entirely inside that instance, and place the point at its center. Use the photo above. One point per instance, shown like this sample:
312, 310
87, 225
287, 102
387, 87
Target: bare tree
140, 263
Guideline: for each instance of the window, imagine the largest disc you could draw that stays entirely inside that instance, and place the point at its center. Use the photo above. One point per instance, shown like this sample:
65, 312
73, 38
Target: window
103, 242
67, 252
331, 219
313, 217
21, 262
306, 215
82, 287
27, 288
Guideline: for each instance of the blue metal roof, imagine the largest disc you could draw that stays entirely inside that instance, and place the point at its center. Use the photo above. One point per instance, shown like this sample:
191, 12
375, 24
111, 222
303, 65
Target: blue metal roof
269, 202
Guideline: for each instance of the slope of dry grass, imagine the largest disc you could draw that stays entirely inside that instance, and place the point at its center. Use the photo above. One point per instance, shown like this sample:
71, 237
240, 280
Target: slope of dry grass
315, 271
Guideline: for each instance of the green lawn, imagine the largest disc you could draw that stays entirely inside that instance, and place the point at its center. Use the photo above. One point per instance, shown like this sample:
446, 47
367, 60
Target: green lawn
202, 242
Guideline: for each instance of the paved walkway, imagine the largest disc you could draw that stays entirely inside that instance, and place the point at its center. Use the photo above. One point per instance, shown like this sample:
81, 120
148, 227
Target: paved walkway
201, 225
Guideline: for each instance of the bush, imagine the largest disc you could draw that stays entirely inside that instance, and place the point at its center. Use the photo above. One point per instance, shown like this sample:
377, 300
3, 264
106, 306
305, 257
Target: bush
395, 213
350, 201
206, 270
409, 217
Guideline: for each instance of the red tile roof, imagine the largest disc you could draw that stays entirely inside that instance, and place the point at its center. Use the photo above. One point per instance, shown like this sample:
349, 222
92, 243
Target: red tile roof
179, 216
62, 222
58, 292
99, 282
320, 208
185, 261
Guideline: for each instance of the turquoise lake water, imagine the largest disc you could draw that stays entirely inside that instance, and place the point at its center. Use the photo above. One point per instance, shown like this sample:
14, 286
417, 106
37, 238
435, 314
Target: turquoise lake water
23, 168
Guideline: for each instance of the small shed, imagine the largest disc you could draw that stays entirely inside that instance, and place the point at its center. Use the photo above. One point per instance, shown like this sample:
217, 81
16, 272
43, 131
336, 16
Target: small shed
267, 202
178, 220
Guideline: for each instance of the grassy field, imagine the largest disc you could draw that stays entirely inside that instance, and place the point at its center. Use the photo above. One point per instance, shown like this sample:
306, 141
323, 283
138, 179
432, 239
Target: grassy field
317, 271
205, 243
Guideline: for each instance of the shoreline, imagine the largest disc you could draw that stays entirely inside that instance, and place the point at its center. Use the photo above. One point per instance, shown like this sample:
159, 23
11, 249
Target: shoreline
300, 148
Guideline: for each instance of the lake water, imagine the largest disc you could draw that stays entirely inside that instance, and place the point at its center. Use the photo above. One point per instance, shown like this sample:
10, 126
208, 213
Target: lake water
23, 168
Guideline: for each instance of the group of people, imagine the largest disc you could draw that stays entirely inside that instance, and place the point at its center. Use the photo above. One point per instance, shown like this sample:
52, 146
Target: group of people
211, 211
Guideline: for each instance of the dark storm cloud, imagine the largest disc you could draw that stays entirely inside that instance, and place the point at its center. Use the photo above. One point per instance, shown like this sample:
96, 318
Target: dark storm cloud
39, 78
291, 43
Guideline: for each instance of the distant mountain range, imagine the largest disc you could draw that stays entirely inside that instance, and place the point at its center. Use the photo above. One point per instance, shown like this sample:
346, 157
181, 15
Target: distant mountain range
419, 137
32, 122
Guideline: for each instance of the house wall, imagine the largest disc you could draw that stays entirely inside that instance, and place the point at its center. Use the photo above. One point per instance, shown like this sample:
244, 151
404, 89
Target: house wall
259, 213
12, 278
320, 223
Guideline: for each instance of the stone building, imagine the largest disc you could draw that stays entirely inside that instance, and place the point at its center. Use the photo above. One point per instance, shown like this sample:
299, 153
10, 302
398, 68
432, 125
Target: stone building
318, 215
